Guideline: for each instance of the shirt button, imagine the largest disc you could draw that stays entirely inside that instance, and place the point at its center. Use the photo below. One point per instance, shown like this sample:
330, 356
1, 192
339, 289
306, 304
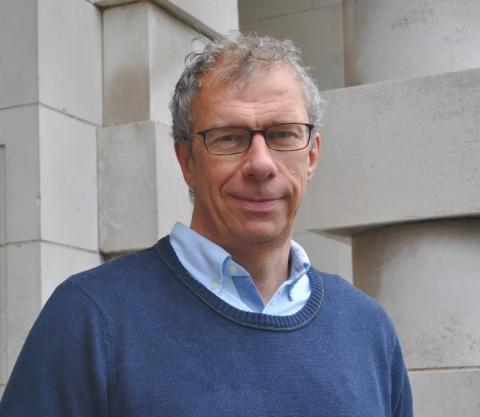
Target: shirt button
214, 285
232, 269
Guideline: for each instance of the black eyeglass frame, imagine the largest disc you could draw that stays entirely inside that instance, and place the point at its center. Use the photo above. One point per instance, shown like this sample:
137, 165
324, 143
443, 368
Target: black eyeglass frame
252, 132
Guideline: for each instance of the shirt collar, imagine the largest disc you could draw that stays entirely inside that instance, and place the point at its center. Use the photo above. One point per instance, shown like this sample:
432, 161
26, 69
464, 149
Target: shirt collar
209, 263
299, 266
201, 257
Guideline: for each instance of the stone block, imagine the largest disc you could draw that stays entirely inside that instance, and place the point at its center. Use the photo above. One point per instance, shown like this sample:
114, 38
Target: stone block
170, 41
70, 57
208, 16
325, 3
19, 138
397, 151
386, 40
105, 3
3, 317
426, 275
252, 10
59, 262
323, 52
172, 193
141, 191
18, 46
126, 63
68, 180
327, 254
127, 187
145, 48
446, 393
3, 277
23, 275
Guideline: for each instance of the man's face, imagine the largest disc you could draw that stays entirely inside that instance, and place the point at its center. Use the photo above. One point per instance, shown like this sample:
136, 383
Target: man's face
253, 197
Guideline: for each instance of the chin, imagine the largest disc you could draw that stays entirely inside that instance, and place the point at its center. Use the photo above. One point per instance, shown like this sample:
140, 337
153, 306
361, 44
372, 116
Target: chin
260, 234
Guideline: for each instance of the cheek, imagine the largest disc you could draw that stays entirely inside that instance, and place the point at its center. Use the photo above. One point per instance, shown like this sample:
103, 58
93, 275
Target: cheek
213, 176
298, 174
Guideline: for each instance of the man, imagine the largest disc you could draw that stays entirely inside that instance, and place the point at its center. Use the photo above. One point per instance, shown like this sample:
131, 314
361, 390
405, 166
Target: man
225, 318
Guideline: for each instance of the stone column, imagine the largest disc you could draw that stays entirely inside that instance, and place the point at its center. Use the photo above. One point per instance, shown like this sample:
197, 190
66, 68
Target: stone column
386, 40
141, 189
50, 108
401, 176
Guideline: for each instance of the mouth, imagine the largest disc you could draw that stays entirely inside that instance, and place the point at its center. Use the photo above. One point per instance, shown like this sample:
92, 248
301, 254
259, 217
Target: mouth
255, 204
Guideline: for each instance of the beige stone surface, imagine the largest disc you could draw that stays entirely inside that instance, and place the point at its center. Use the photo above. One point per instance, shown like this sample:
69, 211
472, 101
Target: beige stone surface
397, 151
326, 253
23, 275
170, 41
219, 15
19, 137
127, 187
318, 32
446, 393
3, 276
426, 275
58, 262
390, 39
172, 193
19, 51
70, 57
141, 190
324, 3
68, 180
145, 48
253, 10
212, 17
126, 63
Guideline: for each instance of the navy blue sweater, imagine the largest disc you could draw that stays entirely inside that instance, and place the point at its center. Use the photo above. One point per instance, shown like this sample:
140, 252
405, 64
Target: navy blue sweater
138, 337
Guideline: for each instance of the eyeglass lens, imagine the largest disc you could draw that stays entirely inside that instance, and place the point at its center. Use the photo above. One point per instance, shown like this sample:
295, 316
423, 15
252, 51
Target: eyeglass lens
230, 140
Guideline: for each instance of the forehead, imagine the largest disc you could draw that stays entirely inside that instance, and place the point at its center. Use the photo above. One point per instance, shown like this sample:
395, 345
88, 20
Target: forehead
268, 95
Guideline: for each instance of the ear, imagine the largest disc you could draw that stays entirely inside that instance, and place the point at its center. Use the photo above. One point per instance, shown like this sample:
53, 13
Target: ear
313, 154
185, 159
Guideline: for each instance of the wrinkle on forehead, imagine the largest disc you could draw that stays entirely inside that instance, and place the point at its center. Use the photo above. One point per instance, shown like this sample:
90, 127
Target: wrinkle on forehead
225, 101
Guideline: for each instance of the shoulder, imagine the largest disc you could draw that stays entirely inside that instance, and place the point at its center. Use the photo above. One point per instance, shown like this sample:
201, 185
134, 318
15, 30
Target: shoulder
347, 302
124, 271
117, 283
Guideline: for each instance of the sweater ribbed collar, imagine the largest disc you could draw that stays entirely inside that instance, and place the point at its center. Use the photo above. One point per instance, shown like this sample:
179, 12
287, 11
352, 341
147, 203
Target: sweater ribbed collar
245, 318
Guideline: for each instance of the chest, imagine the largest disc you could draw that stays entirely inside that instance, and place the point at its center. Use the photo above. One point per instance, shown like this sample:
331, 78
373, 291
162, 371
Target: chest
204, 369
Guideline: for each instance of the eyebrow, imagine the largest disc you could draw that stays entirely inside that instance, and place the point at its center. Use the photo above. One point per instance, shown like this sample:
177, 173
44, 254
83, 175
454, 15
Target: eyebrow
244, 126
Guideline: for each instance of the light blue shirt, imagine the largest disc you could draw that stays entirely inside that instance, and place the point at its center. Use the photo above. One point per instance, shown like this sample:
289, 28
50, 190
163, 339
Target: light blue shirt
214, 268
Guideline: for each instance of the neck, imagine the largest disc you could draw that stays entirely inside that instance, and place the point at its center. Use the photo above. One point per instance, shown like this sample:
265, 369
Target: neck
266, 262
269, 267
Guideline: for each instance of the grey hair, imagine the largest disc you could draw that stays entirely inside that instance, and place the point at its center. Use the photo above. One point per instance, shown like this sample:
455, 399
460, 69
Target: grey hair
245, 54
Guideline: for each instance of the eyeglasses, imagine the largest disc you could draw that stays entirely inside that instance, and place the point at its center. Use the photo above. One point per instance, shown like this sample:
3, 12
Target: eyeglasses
232, 140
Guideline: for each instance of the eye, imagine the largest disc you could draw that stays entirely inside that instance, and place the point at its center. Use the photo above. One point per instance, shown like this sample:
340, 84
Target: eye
287, 131
282, 134
287, 137
227, 139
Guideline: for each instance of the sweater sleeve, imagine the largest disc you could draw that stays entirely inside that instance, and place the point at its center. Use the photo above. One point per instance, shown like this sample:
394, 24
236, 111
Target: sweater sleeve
62, 370
401, 396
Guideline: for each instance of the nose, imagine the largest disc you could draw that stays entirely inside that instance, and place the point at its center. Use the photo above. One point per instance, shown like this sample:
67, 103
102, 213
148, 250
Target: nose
259, 162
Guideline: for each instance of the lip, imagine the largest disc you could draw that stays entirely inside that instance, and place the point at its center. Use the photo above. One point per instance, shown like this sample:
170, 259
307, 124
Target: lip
254, 204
